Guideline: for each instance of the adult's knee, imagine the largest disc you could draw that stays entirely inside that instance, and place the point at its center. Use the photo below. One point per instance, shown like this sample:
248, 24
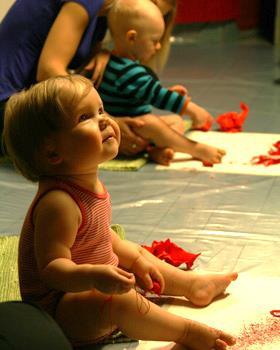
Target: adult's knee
26, 327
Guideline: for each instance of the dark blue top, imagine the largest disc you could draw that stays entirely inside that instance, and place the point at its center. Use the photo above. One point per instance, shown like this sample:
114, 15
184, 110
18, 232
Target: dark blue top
23, 32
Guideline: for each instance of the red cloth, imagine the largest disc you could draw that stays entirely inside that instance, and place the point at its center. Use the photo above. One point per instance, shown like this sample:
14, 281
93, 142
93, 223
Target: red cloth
273, 156
233, 121
193, 11
171, 253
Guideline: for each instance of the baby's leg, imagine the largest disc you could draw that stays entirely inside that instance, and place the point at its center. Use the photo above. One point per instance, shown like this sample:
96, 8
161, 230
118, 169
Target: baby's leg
87, 315
207, 154
163, 136
199, 288
175, 122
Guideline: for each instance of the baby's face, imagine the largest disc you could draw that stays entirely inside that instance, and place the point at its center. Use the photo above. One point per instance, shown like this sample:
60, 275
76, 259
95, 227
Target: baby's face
148, 39
89, 137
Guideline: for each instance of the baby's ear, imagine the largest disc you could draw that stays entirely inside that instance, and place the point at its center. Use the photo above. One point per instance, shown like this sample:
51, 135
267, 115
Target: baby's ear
50, 153
131, 35
54, 158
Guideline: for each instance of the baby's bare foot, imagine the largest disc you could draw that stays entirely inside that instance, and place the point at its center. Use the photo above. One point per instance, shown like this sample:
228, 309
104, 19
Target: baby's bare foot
162, 156
205, 287
208, 154
198, 336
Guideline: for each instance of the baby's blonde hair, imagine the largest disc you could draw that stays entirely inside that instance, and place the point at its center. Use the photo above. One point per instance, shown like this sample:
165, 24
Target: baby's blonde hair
158, 61
127, 14
32, 116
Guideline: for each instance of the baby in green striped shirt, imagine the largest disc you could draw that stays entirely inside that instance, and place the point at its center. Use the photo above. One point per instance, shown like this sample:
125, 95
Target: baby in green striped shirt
130, 88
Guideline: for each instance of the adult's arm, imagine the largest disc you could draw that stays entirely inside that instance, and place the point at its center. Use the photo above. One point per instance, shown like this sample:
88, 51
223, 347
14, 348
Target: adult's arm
62, 41
131, 143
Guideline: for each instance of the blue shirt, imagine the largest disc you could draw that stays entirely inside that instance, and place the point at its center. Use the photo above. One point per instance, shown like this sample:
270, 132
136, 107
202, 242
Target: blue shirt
23, 32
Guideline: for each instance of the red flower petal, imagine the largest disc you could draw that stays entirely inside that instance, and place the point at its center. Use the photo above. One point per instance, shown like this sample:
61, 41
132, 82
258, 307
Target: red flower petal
171, 253
156, 288
273, 156
207, 126
275, 313
233, 121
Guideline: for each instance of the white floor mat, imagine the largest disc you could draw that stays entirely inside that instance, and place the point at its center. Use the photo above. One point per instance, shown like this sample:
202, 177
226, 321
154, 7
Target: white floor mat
240, 147
244, 312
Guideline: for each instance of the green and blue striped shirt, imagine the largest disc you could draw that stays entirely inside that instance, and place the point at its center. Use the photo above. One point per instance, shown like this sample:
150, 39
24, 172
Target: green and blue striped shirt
130, 89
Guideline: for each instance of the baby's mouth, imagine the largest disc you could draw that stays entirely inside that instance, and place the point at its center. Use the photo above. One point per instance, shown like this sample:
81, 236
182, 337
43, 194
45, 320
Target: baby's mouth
108, 138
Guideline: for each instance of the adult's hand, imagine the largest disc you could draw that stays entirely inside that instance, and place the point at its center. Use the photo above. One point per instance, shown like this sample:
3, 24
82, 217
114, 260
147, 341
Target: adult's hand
97, 66
131, 143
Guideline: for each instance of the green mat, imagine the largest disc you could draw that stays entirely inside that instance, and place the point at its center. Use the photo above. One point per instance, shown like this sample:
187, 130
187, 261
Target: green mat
9, 287
122, 163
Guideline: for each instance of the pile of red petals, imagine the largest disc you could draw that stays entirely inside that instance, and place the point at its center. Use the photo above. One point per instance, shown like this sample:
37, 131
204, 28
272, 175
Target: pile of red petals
272, 158
229, 121
171, 253
233, 121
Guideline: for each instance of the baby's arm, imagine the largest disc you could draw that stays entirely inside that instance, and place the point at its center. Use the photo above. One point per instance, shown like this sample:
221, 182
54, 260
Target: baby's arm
182, 90
57, 219
175, 99
199, 116
131, 258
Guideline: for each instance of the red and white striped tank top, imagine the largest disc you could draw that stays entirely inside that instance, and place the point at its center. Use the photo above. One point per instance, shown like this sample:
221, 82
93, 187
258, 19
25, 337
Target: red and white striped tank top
92, 244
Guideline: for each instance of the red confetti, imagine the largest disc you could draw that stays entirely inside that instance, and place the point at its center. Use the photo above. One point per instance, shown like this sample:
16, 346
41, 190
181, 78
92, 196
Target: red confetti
275, 313
156, 288
209, 164
233, 121
206, 127
273, 156
259, 335
171, 253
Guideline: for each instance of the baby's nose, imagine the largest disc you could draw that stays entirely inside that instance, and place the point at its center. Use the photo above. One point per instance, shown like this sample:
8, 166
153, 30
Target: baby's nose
103, 123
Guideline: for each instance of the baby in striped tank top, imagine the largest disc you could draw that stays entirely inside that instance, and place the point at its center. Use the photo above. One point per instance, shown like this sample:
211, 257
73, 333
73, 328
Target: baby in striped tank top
130, 88
71, 263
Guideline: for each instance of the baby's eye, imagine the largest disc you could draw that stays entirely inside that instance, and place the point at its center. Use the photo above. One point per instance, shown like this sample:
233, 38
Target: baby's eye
83, 117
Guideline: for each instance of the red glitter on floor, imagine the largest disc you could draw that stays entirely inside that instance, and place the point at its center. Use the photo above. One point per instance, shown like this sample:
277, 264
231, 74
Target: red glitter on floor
263, 335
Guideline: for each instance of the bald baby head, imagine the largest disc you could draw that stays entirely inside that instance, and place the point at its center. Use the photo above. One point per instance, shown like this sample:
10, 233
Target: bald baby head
128, 15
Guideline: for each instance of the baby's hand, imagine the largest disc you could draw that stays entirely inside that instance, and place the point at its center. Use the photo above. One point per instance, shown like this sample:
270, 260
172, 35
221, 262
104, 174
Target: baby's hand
198, 115
180, 89
110, 279
208, 154
146, 273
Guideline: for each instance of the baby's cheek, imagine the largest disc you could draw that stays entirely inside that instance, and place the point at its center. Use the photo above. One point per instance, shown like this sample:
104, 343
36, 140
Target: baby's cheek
117, 132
